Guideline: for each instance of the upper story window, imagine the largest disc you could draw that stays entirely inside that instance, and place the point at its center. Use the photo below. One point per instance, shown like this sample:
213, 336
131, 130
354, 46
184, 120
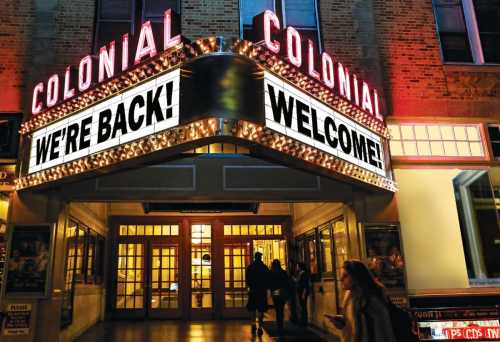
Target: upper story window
494, 133
301, 14
9, 136
116, 17
436, 142
468, 30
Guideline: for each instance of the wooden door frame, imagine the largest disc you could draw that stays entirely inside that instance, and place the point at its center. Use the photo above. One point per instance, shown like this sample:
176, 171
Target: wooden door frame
185, 312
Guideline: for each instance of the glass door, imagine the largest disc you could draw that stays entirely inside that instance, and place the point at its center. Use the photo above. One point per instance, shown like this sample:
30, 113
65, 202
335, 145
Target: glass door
236, 259
202, 296
164, 281
147, 272
129, 299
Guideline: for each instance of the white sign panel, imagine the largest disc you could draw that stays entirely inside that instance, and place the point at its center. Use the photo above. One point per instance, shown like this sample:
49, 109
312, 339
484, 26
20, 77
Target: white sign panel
17, 320
138, 112
301, 117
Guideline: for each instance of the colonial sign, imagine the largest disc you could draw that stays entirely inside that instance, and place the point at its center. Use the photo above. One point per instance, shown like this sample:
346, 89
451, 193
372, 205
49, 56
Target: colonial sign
298, 115
292, 95
17, 319
303, 54
149, 108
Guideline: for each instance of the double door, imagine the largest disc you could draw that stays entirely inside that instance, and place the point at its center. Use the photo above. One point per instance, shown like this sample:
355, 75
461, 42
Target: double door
184, 269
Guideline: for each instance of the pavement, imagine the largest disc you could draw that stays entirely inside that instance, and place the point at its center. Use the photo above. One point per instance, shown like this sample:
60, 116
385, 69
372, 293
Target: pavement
189, 331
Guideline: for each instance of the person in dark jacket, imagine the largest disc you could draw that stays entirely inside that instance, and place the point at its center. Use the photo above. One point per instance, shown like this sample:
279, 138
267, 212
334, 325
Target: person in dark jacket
279, 283
366, 317
303, 281
257, 277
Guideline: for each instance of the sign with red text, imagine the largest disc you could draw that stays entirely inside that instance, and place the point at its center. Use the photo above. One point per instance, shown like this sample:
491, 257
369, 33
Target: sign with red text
303, 54
292, 112
473, 333
143, 110
462, 324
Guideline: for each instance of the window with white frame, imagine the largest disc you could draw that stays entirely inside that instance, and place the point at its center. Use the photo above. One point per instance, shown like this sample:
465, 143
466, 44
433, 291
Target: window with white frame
435, 141
478, 205
301, 14
468, 30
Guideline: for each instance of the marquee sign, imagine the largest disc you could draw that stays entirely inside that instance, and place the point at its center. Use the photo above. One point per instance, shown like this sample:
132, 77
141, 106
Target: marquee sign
327, 118
300, 116
138, 112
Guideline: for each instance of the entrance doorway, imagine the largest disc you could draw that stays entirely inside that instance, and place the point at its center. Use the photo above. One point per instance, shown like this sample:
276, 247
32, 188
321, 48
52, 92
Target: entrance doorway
188, 267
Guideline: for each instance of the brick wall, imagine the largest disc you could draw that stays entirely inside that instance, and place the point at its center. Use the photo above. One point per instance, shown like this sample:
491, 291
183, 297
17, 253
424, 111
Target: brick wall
387, 42
415, 79
348, 32
37, 39
15, 40
205, 18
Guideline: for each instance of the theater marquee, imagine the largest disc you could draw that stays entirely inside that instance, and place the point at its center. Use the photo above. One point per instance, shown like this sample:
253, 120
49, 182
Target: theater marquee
184, 96
141, 111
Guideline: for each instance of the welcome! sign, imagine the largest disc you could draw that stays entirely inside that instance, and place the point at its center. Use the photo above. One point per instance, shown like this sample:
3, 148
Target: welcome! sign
300, 116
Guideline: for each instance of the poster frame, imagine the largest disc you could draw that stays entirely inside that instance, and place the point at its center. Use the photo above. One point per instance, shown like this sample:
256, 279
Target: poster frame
12, 229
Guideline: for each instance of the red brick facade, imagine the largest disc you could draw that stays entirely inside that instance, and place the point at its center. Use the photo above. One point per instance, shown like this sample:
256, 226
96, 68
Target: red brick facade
393, 43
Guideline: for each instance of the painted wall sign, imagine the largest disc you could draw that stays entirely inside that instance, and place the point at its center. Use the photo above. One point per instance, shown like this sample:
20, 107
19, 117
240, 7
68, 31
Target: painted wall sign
143, 110
302, 53
17, 319
299, 116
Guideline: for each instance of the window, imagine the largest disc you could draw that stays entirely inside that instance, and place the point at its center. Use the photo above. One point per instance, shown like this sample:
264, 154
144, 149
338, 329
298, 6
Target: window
478, 204
301, 14
494, 132
252, 229
452, 31
219, 148
308, 252
149, 230
9, 136
84, 263
116, 17
436, 141
468, 30
326, 249
248, 10
488, 17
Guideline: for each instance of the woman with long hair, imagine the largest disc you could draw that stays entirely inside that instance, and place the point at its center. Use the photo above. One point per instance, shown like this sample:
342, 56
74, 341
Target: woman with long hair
366, 317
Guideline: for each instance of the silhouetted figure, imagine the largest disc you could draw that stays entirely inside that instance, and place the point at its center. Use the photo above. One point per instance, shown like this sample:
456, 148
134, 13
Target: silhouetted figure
303, 285
279, 283
257, 277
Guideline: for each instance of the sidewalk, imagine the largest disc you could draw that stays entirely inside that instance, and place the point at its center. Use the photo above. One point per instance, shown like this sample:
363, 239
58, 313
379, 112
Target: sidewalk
206, 331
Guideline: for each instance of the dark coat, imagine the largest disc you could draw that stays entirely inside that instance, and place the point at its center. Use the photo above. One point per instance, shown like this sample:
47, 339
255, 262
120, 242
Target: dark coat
279, 280
257, 280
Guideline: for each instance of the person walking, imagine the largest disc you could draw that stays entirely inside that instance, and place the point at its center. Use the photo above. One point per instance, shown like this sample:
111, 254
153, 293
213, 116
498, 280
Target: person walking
257, 277
366, 317
280, 290
303, 285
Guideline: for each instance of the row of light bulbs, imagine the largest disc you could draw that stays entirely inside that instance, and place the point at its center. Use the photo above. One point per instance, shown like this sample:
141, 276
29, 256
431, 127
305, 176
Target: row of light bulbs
276, 64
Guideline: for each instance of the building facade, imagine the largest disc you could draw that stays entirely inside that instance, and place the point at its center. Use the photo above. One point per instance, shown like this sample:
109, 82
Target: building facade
161, 222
